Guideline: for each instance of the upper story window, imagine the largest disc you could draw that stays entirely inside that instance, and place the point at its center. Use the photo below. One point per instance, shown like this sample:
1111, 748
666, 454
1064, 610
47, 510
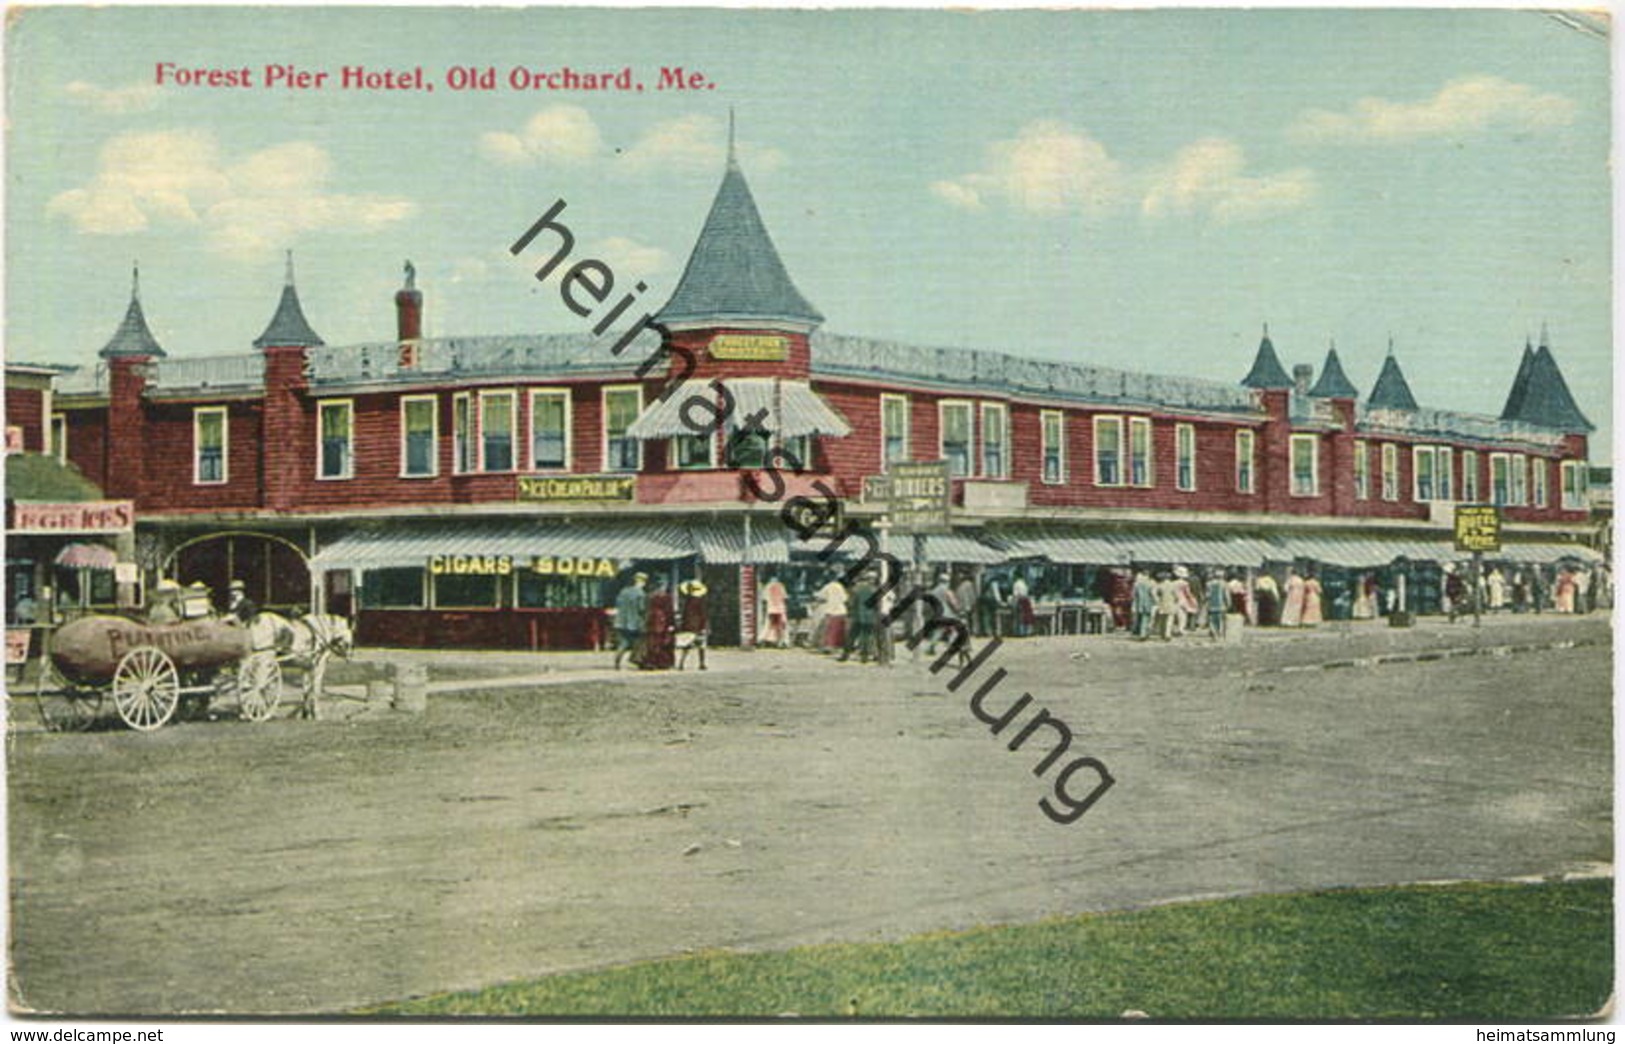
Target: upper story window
335, 421
462, 433
956, 437
1245, 447
1500, 480
1422, 463
692, 451
209, 444
1537, 482
1576, 477
550, 430
621, 408
1052, 437
995, 439
419, 435
1305, 465
893, 429
1444, 474
496, 430
1518, 489
1185, 456
1469, 476
1362, 471
1108, 451
59, 437
1139, 451
1390, 471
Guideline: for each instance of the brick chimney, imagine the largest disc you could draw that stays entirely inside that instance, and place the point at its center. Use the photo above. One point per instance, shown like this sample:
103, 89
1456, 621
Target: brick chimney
409, 319
1303, 375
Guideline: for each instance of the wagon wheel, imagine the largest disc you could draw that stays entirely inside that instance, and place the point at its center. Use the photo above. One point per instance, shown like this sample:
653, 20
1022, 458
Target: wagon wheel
146, 688
259, 685
63, 706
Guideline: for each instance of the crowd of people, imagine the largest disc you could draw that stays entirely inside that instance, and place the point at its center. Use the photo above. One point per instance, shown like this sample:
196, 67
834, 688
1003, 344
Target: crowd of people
654, 632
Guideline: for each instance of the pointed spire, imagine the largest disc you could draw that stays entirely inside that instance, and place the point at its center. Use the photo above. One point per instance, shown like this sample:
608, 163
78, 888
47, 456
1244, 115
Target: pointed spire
133, 338
1541, 396
288, 326
733, 158
1333, 382
735, 271
1267, 371
1545, 340
1391, 392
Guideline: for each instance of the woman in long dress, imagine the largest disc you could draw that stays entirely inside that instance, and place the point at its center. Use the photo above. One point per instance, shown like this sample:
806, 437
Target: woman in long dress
659, 631
1312, 612
1292, 605
1564, 592
1269, 600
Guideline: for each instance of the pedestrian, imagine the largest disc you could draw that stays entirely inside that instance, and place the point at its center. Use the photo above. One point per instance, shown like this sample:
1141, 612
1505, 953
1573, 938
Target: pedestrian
832, 600
239, 606
883, 615
1144, 603
1455, 589
1563, 591
965, 599
694, 626
1313, 612
659, 630
1167, 607
1218, 600
1520, 591
1365, 597
1188, 607
988, 605
1537, 588
775, 613
1021, 607
943, 595
1582, 590
1292, 602
1497, 587
630, 605
1269, 600
861, 634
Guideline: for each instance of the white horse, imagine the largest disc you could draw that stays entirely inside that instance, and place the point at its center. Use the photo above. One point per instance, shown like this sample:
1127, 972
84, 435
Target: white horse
307, 642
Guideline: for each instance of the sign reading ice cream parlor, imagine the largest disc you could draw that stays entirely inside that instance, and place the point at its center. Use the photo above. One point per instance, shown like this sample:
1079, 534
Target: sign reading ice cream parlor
750, 347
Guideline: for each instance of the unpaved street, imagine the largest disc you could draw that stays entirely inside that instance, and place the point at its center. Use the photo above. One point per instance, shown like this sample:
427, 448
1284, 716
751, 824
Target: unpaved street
777, 799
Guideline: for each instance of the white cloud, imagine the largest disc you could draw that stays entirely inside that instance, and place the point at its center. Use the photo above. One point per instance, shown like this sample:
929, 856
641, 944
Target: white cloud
1209, 177
1047, 168
245, 209
695, 144
628, 259
136, 97
1470, 104
564, 134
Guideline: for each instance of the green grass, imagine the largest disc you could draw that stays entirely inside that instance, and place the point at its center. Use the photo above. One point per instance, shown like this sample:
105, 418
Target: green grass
1469, 951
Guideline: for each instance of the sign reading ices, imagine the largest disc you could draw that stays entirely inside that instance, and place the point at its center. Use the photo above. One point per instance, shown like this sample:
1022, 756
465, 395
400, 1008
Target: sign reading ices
95, 516
750, 347
505, 565
576, 488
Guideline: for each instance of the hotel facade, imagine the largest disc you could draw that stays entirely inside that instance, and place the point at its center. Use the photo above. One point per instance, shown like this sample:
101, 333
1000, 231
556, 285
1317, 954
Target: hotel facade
496, 491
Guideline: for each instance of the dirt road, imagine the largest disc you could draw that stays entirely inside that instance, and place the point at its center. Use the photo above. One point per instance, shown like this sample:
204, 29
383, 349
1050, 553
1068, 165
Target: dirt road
297, 867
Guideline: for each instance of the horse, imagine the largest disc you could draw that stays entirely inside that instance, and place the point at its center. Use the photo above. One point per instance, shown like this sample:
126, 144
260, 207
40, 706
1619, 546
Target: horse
309, 642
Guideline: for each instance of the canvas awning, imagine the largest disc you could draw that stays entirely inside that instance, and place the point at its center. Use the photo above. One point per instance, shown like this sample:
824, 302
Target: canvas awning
1363, 552
1543, 554
87, 556
723, 543
404, 547
791, 408
961, 548
1062, 545
1236, 551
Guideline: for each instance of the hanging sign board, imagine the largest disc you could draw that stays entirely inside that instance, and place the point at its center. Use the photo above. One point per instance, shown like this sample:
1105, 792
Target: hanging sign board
750, 347
1478, 527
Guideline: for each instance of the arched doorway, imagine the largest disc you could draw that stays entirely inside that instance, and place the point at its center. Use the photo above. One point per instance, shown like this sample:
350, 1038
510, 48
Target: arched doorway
273, 570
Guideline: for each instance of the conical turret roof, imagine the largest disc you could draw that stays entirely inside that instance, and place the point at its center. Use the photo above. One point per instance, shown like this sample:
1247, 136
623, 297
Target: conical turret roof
1546, 399
288, 326
133, 338
735, 271
1267, 371
1333, 382
1391, 392
1520, 385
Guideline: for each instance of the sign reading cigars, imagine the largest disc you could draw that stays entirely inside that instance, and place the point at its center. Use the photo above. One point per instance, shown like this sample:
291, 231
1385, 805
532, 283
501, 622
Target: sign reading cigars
750, 347
1478, 527
91, 516
560, 489
506, 565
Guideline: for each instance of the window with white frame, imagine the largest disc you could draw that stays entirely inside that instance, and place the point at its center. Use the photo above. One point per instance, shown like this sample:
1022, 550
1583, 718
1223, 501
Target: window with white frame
621, 408
1185, 456
1422, 475
462, 433
1537, 482
1245, 448
1518, 489
209, 434
1108, 451
59, 437
419, 435
956, 420
1390, 471
1444, 477
893, 429
692, 451
496, 430
1576, 478
335, 422
1139, 452
747, 447
1362, 470
1500, 480
1305, 465
1052, 447
549, 429
995, 440
1469, 476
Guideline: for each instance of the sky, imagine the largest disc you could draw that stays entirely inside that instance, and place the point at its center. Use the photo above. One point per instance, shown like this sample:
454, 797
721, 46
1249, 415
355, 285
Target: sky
1138, 189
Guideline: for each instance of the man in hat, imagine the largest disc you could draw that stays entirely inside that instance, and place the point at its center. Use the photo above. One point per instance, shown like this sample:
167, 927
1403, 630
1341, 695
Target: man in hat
165, 603
239, 606
630, 605
694, 621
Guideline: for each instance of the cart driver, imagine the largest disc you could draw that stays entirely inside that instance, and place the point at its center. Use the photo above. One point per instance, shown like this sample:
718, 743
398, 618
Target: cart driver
165, 607
239, 606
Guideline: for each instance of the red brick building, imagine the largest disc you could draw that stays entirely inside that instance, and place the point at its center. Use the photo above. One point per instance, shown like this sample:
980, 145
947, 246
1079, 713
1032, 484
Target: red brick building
496, 491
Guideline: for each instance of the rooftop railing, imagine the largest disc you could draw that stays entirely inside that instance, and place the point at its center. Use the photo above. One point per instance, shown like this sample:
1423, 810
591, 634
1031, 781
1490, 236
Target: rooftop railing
476, 356
1445, 423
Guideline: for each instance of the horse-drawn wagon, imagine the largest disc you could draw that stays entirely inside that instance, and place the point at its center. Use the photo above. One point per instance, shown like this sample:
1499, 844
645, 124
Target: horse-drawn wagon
152, 670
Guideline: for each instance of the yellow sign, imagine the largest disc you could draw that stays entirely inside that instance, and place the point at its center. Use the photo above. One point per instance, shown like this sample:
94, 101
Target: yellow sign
559, 565
1478, 527
476, 565
750, 347
576, 487
504, 565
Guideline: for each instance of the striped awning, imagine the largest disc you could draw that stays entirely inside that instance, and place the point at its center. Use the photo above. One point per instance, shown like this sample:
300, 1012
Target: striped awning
405, 547
86, 556
1062, 545
960, 548
790, 408
1363, 552
723, 543
1160, 549
1544, 554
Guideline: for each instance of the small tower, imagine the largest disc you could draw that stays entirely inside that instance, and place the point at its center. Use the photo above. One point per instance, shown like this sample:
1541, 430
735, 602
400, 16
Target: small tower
1391, 392
133, 339
1267, 371
1333, 383
1541, 396
127, 354
288, 327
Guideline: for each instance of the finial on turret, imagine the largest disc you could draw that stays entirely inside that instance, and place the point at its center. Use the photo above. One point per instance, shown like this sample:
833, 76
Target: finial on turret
411, 275
135, 280
287, 277
733, 159
1545, 340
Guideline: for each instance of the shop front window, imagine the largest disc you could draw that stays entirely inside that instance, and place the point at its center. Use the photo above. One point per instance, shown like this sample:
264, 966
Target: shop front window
464, 591
392, 589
